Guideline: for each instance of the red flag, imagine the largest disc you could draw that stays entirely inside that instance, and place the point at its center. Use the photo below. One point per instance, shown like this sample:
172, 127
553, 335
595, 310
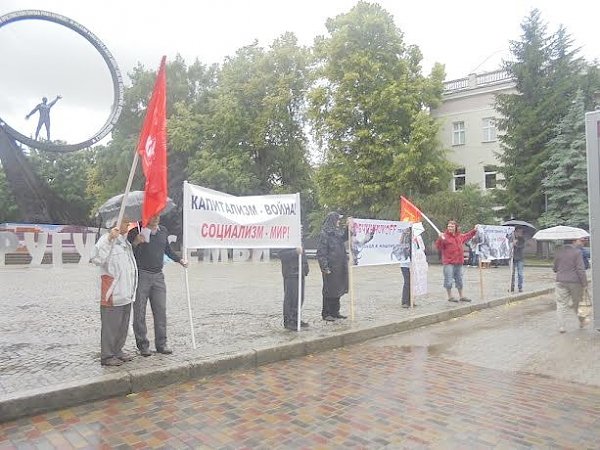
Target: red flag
408, 211
152, 147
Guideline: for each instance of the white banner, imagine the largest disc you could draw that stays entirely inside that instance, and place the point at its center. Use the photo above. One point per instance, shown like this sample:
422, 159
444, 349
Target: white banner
379, 242
494, 242
213, 219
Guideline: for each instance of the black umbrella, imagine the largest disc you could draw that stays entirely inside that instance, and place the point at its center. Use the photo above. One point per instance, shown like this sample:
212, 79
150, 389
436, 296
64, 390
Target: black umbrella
528, 229
109, 211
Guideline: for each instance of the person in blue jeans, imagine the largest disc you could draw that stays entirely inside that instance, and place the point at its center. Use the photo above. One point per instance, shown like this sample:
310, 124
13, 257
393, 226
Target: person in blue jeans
450, 244
519, 245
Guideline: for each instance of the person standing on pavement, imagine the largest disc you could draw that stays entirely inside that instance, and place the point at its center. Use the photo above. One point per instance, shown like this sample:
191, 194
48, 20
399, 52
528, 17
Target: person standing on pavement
118, 281
518, 261
151, 284
451, 246
333, 261
403, 252
571, 280
289, 270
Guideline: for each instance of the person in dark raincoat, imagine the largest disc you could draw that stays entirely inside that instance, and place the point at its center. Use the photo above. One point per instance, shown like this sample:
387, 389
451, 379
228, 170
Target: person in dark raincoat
289, 270
333, 261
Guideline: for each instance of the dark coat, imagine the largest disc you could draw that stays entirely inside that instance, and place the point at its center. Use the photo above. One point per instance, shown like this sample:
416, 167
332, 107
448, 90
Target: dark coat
289, 263
332, 257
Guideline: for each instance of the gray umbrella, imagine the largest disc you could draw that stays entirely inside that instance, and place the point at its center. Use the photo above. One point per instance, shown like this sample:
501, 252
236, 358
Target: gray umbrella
560, 233
109, 211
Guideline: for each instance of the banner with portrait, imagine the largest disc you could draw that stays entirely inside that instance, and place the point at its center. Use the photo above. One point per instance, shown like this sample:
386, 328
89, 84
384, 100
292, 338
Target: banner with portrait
493, 242
375, 242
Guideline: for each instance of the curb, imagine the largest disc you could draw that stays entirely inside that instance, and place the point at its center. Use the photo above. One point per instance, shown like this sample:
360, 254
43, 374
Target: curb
106, 386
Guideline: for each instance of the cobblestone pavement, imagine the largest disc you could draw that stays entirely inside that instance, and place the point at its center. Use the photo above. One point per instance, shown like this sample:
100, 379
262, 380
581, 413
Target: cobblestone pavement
483, 381
50, 316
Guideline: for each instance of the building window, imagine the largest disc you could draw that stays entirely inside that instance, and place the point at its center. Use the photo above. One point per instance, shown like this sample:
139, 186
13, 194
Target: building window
460, 178
458, 133
489, 129
489, 173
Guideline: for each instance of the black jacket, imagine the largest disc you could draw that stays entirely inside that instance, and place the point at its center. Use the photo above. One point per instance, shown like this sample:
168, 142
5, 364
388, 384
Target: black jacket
289, 263
150, 255
332, 257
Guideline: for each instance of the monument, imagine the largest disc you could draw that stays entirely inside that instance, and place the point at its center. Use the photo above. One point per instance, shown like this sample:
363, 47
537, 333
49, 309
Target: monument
37, 202
44, 110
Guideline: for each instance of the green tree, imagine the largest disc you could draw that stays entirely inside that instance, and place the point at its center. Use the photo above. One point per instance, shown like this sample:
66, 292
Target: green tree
9, 212
369, 114
67, 175
566, 167
547, 73
255, 134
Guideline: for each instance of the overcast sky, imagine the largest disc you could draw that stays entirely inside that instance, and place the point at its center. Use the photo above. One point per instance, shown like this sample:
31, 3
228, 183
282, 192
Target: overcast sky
47, 59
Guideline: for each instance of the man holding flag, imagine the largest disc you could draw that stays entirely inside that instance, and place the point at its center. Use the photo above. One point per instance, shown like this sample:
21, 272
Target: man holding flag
150, 244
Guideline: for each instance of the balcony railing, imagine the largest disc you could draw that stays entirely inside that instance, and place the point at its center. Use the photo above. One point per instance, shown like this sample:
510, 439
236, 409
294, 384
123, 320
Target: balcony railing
474, 80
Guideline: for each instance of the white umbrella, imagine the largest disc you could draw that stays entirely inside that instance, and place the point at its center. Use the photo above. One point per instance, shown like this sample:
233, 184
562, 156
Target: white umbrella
560, 233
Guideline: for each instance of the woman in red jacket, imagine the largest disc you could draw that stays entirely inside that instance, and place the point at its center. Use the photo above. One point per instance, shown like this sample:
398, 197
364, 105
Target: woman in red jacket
451, 243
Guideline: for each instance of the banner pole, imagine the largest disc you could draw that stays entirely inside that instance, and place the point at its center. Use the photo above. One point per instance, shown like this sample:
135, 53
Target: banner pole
480, 279
350, 270
184, 251
300, 270
512, 275
411, 270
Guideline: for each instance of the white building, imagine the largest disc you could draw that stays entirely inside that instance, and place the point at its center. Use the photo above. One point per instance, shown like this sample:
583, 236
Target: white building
468, 126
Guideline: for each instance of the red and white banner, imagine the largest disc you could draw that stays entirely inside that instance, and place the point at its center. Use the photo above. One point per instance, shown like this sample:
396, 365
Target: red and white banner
213, 219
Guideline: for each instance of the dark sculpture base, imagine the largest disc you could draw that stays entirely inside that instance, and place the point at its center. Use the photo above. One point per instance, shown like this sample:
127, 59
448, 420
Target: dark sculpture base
37, 202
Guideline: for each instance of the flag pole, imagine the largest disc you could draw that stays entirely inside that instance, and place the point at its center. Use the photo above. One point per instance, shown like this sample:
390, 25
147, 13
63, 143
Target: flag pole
184, 252
431, 223
123, 202
136, 157
410, 205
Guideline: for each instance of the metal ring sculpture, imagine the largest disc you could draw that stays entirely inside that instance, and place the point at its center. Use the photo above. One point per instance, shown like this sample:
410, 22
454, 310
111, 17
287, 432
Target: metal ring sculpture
118, 90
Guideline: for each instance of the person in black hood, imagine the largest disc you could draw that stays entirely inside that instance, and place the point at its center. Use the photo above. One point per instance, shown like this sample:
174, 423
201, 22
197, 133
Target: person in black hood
333, 261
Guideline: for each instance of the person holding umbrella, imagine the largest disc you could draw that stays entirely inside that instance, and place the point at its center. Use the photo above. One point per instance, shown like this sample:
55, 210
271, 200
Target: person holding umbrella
118, 281
519, 246
149, 247
571, 280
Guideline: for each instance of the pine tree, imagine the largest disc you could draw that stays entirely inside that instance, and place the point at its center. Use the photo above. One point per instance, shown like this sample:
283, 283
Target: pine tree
566, 182
547, 73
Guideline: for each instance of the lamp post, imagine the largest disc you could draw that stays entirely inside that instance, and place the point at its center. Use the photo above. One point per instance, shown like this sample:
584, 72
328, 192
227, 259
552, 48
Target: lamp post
592, 137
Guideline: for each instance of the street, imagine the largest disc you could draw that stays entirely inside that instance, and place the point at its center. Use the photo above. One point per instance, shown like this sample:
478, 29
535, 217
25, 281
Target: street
501, 378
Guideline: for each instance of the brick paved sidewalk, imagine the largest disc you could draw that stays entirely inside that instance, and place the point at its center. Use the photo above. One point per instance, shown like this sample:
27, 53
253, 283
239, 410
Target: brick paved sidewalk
50, 325
469, 383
